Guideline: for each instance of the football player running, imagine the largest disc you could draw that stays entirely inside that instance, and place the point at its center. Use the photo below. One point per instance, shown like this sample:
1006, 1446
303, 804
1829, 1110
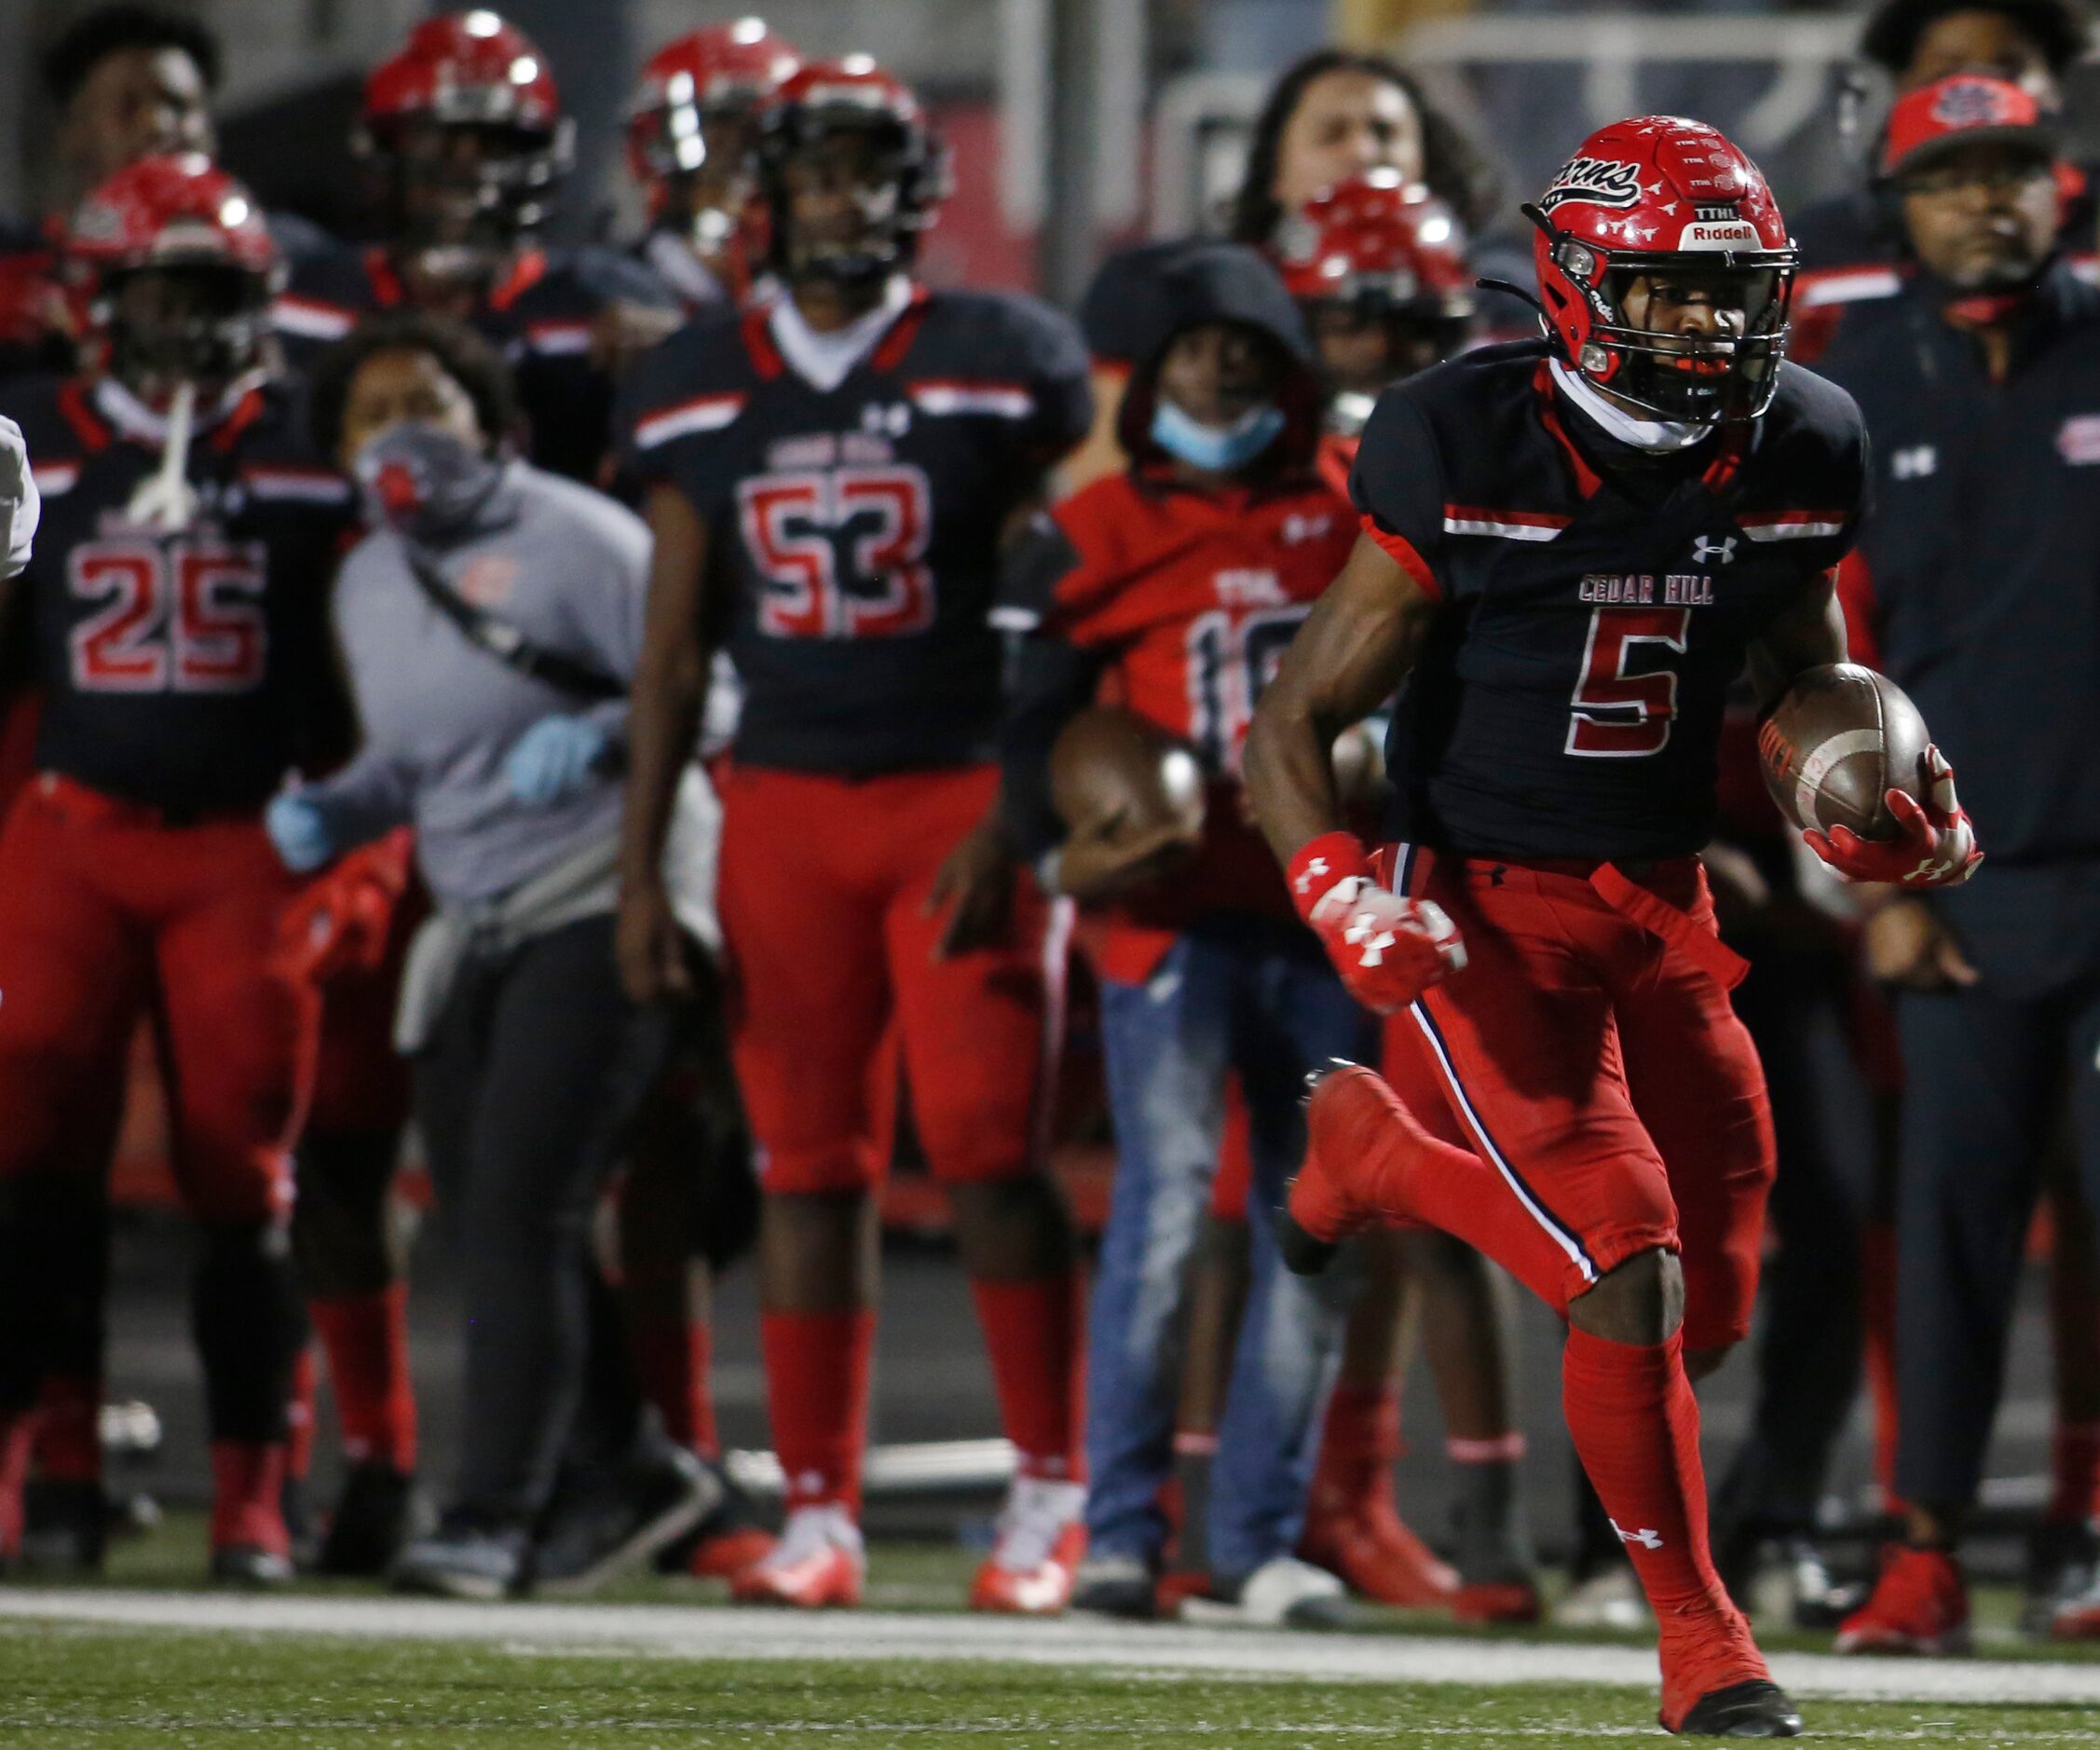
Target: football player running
177, 607
1569, 548
831, 480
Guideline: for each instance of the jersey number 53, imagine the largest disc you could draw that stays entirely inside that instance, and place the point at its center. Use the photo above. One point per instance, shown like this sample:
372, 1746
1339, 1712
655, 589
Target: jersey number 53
841, 553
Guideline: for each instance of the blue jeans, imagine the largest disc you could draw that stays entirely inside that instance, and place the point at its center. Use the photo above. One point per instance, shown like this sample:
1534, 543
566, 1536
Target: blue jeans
1234, 994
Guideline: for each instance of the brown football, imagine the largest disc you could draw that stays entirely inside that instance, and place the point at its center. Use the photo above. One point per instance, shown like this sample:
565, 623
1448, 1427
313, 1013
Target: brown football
1111, 768
1838, 741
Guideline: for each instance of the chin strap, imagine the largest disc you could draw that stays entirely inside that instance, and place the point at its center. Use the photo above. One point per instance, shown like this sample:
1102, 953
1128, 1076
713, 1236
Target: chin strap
165, 499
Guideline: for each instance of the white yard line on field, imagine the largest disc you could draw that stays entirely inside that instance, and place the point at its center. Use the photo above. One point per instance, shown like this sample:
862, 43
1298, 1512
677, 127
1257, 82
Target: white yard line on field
702, 1631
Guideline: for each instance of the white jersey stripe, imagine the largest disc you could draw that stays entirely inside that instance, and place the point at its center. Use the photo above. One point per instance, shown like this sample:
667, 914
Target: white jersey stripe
709, 413
1505, 531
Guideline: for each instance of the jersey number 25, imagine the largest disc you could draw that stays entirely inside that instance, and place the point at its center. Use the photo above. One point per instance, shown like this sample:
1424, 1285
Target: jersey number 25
1619, 715
182, 617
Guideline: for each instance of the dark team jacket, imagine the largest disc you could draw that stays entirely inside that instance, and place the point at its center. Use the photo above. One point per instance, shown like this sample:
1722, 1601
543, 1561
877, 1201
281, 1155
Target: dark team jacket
539, 318
1568, 700
856, 532
1178, 605
186, 672
1976, 585
1852, 252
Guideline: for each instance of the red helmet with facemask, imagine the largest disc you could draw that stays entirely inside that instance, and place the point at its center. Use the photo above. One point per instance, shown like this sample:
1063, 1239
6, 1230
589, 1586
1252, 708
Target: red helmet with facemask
1377, 241
1673, 203
725, 69
472, 73
907, 177
182, 216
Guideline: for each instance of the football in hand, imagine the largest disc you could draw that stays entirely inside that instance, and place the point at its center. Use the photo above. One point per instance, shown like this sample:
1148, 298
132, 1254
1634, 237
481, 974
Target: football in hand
1832, 748
1116, 775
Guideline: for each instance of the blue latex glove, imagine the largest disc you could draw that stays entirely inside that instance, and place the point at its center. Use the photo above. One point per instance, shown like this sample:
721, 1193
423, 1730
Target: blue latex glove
299, 831
551, 760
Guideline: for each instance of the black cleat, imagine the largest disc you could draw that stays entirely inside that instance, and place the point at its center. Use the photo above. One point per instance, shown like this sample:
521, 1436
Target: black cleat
379, 1513
603, 1523
1303, 1254
250, 1568
65, 1528
1755, 1708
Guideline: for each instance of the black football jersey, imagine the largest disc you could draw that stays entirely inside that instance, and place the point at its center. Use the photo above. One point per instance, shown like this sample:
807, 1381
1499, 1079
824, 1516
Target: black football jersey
1569, 701
187, 672
856, 531
539, 318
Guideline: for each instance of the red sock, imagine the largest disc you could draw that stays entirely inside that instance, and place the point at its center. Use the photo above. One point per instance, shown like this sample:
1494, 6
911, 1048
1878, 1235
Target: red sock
299, 1413
366, 1338
1878, 1309
2074, 1469
17, 1443
69, 1442
1421, 1178
1360, 1442
247, 1487
817, 1369
1035, 1331
673, 1358
1636, 1426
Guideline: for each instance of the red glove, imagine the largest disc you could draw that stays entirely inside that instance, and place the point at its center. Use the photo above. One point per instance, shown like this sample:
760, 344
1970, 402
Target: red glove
341, 920
1387, 949
1938, 845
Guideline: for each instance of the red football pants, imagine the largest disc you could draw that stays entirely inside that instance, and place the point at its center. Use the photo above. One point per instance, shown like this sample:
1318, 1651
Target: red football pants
825, 884
1590, 1056
106, 914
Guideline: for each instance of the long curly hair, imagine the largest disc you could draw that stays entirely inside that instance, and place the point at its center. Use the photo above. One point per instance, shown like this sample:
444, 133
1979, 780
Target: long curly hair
1455, 172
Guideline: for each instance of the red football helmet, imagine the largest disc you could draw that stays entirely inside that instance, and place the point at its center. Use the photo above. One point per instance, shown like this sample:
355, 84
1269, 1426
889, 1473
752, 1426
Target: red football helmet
1671, 202
465, 128
197, 236
726, 69
1379, 267
899, 184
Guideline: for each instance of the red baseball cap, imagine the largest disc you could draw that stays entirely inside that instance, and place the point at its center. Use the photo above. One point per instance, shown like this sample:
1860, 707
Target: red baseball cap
1963, 109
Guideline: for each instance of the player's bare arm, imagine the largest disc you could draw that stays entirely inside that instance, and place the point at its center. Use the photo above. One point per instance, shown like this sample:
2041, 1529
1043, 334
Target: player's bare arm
976, 881
1354, 648
1807, 635
670, 695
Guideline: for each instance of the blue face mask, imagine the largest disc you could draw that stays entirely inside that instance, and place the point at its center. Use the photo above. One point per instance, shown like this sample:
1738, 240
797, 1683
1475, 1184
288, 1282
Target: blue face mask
1216, 449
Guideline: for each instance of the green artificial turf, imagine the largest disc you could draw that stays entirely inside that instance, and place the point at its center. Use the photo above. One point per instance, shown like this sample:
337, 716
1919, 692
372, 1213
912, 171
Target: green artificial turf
61, 1688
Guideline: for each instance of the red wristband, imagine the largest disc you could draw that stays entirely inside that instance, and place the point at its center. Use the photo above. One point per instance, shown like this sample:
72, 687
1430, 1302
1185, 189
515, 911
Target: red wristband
1323, 865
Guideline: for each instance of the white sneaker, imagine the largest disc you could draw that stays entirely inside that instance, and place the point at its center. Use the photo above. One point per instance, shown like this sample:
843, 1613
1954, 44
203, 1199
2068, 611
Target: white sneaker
819, 1561
1610, 1600
1040, 1540
1282, 1592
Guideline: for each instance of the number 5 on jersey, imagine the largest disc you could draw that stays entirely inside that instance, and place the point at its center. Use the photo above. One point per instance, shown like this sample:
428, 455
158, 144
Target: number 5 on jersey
1618, 715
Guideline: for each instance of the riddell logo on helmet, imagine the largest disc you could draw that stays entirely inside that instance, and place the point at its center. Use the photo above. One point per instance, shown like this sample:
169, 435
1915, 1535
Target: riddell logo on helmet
1598, 182
1717, 234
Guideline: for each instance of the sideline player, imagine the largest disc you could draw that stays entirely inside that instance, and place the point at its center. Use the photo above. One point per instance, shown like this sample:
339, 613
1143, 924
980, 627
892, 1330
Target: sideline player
177, 603
466, 147
1380, 267
848, 462
1171, 587
692, 150
1569, 548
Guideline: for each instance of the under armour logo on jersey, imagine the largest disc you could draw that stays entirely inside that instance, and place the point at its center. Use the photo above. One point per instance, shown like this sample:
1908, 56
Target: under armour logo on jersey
1915, 463
1647, 1539
1708, 552
892, 420
1314, 869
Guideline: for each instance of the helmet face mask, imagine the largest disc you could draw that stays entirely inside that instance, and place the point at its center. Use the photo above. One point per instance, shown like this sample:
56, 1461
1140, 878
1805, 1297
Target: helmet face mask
851, 175
704, 165
1665, 271
205, 325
